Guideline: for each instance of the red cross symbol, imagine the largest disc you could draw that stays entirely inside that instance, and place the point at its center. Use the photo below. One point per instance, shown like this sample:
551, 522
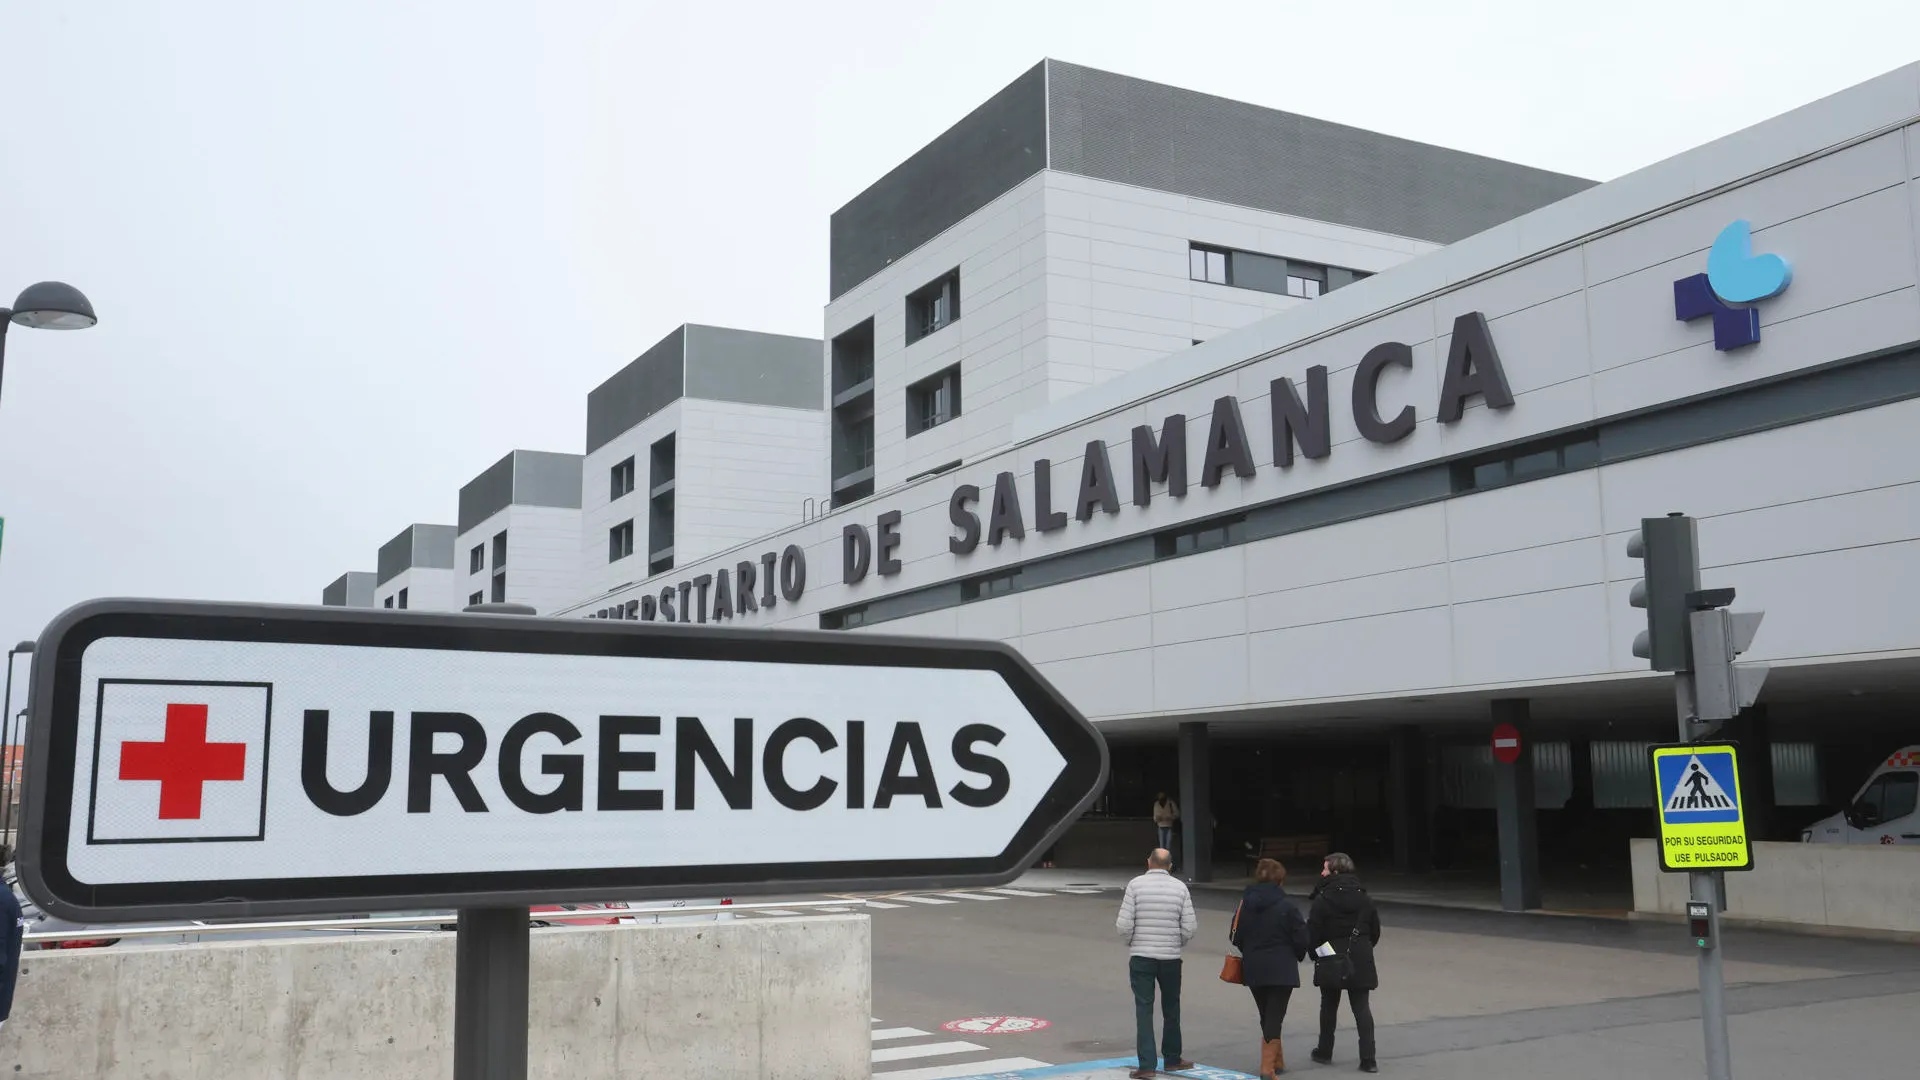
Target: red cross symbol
183, 762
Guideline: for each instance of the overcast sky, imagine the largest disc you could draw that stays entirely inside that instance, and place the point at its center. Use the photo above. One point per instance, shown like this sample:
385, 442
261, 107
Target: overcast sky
347, 254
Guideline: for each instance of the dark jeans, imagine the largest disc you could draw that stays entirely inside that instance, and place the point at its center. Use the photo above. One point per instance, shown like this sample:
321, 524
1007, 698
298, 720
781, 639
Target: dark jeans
1362, 1019
1144, 972
1166, 838
1272, 1003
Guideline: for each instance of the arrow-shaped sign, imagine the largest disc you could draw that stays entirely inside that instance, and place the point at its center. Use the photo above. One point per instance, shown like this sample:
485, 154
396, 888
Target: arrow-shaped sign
214, 760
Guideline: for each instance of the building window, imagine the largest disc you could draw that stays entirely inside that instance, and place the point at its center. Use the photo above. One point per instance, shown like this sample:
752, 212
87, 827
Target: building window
853, 358
992, 585
620, 541
388, 602
403, 599
621, 482
500, 551
1531, 461
933, 306
660, 564
500, 588
1205, 536
1207, 264
477, 559
933, 401
844, 619
475, 599
662, 460
1265, 273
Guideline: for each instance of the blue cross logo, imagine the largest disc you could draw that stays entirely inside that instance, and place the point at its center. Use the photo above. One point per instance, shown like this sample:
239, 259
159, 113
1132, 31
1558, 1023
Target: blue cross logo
1735, 275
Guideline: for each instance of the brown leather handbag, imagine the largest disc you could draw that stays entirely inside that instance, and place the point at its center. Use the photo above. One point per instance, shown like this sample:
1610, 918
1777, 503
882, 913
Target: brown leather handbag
1230, 970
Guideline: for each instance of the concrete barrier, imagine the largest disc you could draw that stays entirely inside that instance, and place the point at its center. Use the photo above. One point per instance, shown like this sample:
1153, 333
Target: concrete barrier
776, 998
1826, 888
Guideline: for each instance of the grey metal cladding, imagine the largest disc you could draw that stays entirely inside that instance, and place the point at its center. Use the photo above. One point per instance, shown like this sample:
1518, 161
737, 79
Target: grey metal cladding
543, 478
1130, 131
975, 161
724, 364
655, 379
396, 555
433, 546
487, 494
351, 589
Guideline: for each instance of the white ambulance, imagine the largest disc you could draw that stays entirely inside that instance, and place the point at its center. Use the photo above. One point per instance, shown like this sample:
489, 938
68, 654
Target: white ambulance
1886, 810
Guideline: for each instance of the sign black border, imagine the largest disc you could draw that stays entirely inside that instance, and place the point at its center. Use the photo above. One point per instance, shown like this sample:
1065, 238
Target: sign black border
53, 732
1659, 835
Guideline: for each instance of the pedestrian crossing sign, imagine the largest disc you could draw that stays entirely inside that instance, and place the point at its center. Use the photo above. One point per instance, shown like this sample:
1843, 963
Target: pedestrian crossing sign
1702, 823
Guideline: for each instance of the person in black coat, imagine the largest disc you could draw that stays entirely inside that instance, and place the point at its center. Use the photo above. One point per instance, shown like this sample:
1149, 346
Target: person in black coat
1271, 935
1343, 917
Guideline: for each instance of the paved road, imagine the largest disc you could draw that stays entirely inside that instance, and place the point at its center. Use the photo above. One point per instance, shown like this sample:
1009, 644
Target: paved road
1466, 994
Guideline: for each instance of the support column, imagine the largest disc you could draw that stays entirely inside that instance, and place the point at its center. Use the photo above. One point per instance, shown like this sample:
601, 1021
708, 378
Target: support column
1514, 807
1195, 858
1755, 736
1407, 801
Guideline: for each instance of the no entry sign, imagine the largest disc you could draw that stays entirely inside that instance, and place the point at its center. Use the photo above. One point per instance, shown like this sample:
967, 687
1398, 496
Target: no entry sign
211, 760
1506, 744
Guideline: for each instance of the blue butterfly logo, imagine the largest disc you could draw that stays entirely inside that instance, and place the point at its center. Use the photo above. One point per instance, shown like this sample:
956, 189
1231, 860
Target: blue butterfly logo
1737, 275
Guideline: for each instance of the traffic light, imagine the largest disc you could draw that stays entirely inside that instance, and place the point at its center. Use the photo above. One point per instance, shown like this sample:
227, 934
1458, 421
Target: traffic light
1669, 549
1722, 688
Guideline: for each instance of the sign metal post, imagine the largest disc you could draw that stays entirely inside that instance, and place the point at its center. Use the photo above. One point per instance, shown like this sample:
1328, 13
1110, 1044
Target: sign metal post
492, 949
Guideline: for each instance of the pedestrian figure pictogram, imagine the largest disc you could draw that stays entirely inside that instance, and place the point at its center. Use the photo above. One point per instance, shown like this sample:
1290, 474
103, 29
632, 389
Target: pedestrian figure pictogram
1701, 792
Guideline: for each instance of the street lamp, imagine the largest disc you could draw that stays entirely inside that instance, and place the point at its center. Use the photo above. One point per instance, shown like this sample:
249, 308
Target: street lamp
50, 305
8, 729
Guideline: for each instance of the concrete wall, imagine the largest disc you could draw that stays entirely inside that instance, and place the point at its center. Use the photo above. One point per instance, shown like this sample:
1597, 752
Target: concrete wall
1829, 887
783, 999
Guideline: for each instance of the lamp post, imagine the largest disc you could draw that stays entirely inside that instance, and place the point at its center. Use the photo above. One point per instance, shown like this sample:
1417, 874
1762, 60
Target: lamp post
7, 732
50, 305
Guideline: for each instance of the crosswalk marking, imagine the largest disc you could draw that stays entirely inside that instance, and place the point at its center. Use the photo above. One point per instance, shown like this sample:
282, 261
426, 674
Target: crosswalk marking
939, 1049
883, 905
777, 911
948, 1072
1081, 892
923, 900
970, 896
1018, 892
832, 910
898, 1033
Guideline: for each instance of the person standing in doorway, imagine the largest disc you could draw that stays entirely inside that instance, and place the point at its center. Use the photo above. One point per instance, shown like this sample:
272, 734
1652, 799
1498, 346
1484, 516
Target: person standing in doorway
1166, 814
1157, 921
1344, 919
1271, 935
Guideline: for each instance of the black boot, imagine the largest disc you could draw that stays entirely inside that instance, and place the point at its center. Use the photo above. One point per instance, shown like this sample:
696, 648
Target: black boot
1324, 1057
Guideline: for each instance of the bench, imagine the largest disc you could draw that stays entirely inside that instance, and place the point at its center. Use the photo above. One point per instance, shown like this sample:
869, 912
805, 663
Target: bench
1290, 849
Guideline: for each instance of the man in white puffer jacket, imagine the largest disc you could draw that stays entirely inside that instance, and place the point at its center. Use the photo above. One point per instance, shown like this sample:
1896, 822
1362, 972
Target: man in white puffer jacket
1156, 918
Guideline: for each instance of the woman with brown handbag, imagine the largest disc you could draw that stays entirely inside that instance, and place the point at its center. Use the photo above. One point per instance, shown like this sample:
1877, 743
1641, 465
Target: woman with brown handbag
1271, 935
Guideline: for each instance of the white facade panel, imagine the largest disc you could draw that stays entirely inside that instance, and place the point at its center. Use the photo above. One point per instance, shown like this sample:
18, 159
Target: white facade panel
543, 557
428, 589
600, 512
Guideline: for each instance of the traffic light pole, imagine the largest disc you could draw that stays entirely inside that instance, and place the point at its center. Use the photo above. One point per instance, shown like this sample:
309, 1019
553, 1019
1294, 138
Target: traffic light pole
1691, 633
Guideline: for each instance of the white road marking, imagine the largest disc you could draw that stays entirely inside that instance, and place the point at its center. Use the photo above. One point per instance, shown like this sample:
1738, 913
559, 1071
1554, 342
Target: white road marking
939, 1049
1018, 892
898, 1033
946, 1072
923, 900
970, 896
776, 911
883, 905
